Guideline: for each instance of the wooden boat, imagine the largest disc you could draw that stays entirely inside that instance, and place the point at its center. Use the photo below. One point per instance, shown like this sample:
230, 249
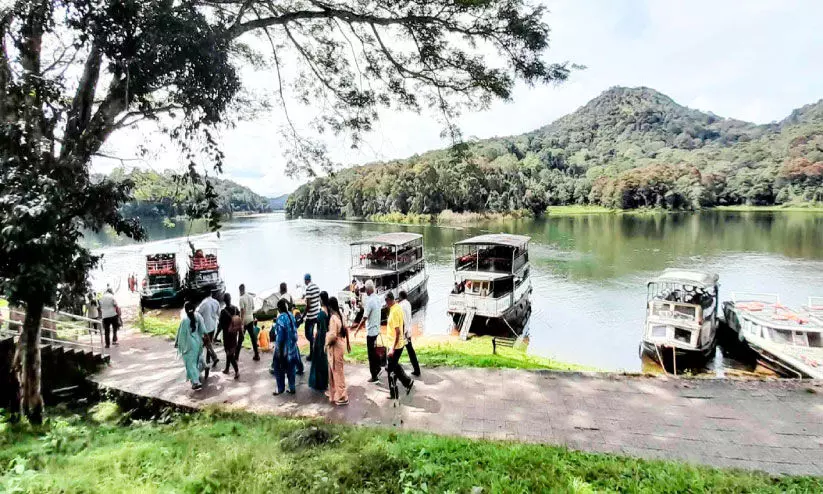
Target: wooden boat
492, 284
787, 341
394, 262
162, 285
203, 277
681, 318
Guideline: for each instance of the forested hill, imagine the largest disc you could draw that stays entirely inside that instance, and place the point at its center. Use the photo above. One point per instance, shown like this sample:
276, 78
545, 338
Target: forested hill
157, 195
627, 148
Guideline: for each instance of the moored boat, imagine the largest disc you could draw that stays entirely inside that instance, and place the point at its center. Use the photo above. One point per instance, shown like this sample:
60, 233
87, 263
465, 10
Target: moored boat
790, 342
394, 262
492, 285
203, 277
681, 318
162, 285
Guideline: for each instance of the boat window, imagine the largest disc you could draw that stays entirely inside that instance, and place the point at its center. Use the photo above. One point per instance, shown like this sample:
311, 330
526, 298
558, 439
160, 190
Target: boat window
686, 310
754, 328
502, 287
781, 336
683, 335
800, 338
815, 340
659, 331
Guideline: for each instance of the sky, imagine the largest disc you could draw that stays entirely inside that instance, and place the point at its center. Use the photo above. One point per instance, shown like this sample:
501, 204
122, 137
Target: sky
754, 60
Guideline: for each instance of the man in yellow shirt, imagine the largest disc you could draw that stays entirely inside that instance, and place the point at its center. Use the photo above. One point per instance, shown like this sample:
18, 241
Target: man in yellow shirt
397, 339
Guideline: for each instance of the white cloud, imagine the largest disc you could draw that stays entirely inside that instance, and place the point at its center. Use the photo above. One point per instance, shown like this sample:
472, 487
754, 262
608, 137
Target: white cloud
755, 60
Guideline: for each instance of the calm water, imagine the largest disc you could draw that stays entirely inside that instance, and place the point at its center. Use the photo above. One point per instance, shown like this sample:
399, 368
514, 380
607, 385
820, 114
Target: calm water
589, 272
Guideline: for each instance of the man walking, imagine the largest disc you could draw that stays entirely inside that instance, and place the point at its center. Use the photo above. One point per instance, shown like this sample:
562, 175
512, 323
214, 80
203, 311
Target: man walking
209, 309
312, 310
407, 331
247, 315
371, 318
396, 335
109, 311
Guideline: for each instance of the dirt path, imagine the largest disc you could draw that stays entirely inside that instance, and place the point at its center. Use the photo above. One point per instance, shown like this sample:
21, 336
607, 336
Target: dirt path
773, 426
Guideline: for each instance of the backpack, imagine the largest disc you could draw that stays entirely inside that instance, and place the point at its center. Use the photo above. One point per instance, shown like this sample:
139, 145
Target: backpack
236, 324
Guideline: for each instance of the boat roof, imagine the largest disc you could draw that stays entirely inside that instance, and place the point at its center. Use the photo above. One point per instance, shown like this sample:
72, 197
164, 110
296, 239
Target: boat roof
506, 239
704, 279
483, 275
780, 317
363, 272
393, 238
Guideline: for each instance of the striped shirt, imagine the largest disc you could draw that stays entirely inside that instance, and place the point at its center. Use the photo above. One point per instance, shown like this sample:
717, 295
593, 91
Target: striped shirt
312, 301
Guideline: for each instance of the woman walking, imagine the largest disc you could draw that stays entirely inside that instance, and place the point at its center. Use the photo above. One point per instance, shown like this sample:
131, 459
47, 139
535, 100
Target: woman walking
337, 341
319, 373
286, 355
189, 345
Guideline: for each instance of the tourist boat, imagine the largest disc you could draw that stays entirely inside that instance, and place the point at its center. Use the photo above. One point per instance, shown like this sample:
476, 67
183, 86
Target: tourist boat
394, 262
162, 285
203, 277
681, 318
492, 286
786, 341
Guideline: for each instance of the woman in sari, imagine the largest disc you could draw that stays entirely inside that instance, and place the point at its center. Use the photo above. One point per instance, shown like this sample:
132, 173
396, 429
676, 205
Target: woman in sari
337, 342
319, 373
286, 355
189, 344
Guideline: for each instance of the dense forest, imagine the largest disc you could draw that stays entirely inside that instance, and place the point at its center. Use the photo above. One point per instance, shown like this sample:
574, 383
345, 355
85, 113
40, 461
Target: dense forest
627, 148
157, 195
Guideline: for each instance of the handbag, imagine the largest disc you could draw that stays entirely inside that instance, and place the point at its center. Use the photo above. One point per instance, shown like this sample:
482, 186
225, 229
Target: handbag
382, 353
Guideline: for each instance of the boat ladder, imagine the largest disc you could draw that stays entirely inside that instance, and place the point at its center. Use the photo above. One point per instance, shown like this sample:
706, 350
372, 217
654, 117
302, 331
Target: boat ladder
468, 318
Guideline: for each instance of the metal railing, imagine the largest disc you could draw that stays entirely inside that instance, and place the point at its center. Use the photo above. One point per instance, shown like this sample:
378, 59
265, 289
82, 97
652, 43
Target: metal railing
59, 329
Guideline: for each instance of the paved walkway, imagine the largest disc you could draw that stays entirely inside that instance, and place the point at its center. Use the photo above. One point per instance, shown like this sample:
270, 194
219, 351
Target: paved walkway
772, 426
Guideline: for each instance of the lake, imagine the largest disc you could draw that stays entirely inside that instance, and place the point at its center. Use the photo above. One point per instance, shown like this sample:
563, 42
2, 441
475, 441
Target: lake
589, 271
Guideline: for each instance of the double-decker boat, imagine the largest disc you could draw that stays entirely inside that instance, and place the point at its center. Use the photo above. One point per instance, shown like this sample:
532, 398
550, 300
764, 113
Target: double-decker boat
491, 284
203, 277
786, 341
394, 262
162, 285
681, 317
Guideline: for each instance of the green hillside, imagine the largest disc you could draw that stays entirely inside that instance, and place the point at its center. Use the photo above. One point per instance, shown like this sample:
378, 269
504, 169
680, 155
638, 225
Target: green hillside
157, 195
627, 148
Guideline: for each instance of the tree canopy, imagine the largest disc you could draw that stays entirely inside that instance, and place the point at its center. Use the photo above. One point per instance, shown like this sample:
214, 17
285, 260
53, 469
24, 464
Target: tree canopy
74, 72
627, 148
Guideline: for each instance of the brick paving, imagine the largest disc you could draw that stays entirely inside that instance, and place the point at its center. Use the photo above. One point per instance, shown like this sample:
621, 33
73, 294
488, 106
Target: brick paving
774, 426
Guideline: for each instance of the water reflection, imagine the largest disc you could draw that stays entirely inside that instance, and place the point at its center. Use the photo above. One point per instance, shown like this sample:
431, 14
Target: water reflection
588, 271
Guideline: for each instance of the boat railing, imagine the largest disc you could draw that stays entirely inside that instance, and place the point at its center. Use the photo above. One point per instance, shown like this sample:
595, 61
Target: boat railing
484, 305
816, 305
59, 329
161, 267
676, 311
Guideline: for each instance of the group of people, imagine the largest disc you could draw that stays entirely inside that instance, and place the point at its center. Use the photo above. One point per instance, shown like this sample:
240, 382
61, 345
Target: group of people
107, 311
325, 329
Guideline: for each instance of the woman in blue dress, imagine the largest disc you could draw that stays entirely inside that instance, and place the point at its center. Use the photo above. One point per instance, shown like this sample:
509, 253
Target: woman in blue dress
189, 343
286, 355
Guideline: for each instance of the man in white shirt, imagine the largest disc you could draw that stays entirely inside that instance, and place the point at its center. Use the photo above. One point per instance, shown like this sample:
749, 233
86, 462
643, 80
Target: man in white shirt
110, 313
247, 314
372, 311
209, 310
407, 330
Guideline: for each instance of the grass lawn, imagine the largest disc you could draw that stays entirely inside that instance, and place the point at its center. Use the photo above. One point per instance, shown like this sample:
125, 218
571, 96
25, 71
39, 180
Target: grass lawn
95, 451
431, 352
475, 352
578, 209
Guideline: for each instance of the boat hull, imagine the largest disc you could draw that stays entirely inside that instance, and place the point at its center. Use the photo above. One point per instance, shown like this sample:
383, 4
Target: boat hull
200, 292
681, 358
167, 298
514, 319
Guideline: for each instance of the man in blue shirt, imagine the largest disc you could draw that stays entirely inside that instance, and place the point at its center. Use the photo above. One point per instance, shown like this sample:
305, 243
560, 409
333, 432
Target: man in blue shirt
371, 318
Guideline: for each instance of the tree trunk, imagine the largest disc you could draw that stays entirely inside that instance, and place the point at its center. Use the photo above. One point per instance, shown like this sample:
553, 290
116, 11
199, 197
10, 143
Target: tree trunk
28, 363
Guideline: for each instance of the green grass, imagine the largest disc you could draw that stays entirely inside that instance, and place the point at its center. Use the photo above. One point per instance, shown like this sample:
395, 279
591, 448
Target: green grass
812, 207
213, 451
400, 218
578, 209
475, 352
4, 303
158, 326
